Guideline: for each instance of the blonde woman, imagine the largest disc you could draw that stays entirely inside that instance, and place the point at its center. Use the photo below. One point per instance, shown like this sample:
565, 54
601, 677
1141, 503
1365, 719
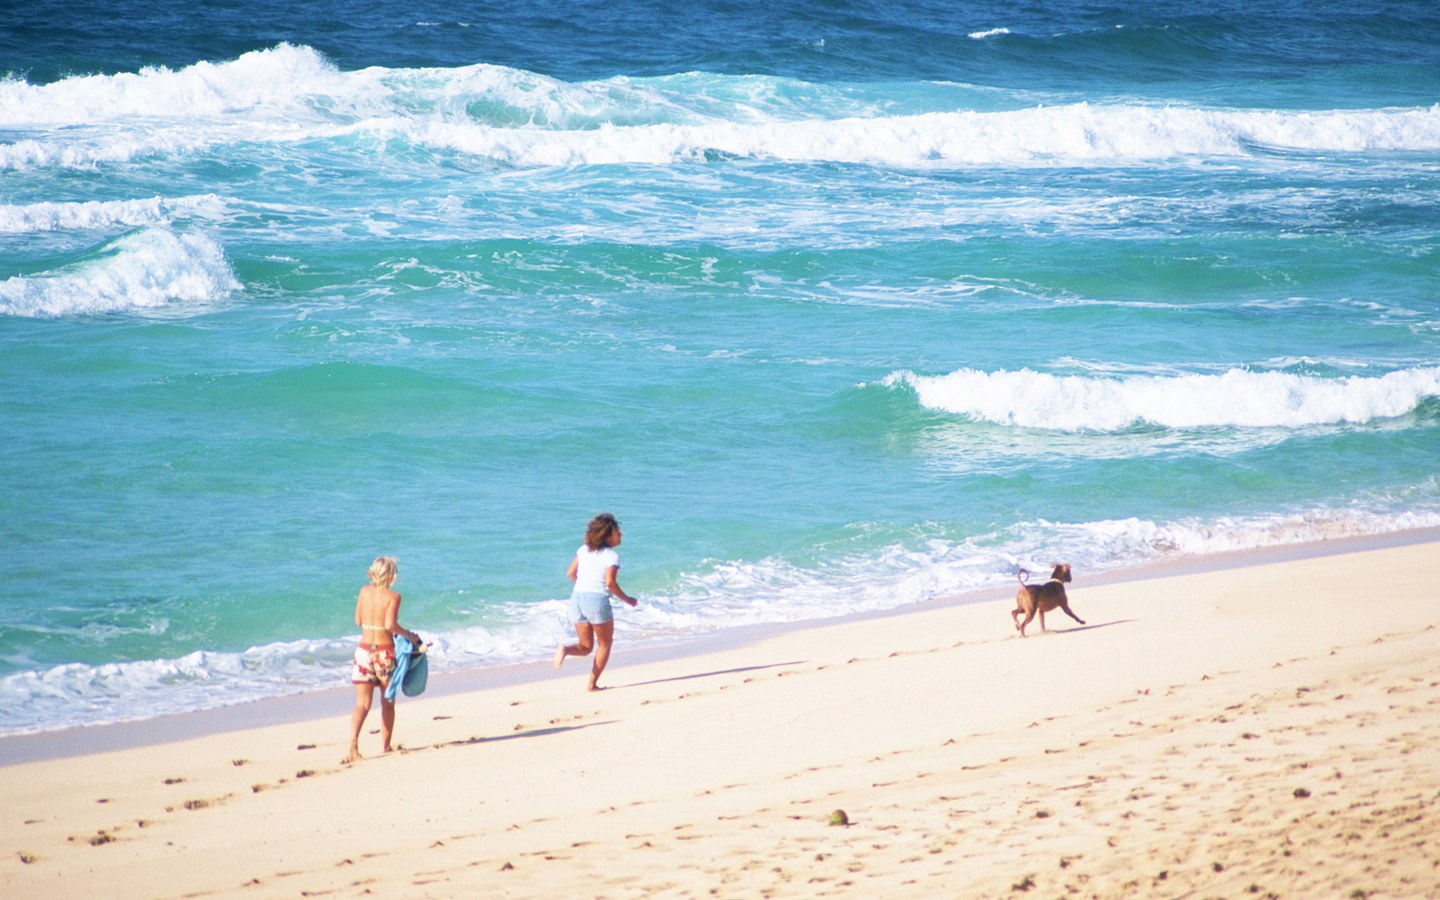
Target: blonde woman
595, 571
377, 612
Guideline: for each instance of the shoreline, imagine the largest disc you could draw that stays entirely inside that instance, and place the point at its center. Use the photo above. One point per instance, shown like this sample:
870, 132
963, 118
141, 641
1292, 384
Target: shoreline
82, 740
1267, 727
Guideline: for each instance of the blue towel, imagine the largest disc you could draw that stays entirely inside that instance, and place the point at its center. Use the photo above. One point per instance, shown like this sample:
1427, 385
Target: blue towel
413, 682
404, 656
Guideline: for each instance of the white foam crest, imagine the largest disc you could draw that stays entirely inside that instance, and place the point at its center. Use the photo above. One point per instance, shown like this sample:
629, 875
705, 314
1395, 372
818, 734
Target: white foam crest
524, 119
988, 33
290, 79
507, 97
144, 270
280, 76
295, 84
83, 151
1075, 134
1346, 131
1238, 398
99, 214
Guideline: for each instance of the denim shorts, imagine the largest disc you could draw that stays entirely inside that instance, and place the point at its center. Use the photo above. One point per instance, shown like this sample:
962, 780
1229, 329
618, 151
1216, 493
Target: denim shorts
593, 608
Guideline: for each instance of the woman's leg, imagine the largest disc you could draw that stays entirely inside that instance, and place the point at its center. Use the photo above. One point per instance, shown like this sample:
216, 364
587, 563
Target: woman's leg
387, 721
585, 636
363, 694
604, 636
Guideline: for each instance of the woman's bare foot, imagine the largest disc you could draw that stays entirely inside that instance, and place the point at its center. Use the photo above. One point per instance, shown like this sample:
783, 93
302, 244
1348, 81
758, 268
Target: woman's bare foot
559, 656
352, 757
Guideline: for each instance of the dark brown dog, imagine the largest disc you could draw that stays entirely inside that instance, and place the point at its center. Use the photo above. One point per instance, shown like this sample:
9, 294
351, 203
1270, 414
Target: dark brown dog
1041, 598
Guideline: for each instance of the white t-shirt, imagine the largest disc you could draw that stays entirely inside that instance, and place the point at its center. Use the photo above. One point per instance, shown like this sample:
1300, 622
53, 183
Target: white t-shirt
591, 568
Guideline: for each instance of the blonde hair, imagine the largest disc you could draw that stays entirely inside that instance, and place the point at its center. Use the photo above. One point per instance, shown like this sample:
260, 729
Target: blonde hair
383, 571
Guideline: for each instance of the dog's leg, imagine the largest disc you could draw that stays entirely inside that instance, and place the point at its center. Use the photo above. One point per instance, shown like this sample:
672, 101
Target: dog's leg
1029, 610
1022, 625
1064, 605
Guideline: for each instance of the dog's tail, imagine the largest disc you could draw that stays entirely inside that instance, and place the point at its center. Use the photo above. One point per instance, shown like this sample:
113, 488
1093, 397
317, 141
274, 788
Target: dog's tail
1021, 576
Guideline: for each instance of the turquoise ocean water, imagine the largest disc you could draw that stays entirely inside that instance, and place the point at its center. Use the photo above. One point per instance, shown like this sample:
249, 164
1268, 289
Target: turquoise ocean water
836, 308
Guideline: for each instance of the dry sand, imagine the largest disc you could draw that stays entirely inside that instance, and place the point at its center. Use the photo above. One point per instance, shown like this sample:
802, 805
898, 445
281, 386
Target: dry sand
1263, 730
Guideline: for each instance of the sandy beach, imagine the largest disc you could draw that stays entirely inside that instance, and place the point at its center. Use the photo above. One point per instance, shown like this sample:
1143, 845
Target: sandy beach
1268, 728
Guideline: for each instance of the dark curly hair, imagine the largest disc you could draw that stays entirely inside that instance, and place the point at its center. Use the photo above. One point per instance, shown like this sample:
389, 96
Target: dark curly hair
601, 531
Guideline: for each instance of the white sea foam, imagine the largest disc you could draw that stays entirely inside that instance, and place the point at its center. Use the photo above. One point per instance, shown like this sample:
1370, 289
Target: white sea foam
280, 76
525, 119
989, 33
298, 83
86, 148
100, 214
720, 596
144, 270
1238, 398
1069, 135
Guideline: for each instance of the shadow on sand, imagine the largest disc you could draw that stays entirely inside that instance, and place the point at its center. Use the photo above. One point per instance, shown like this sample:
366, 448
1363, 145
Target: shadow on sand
528, 733
1089, 627
712, 674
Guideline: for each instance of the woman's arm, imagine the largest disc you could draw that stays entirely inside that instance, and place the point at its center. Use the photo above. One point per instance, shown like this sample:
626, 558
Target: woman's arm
574, 567
613, 585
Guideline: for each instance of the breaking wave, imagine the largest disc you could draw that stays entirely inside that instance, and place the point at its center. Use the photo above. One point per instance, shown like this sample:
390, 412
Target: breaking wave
1238, 398
524, 119
148, 269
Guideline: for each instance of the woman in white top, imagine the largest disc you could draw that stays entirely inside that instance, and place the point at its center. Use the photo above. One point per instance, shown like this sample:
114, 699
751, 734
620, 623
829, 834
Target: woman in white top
594, 570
